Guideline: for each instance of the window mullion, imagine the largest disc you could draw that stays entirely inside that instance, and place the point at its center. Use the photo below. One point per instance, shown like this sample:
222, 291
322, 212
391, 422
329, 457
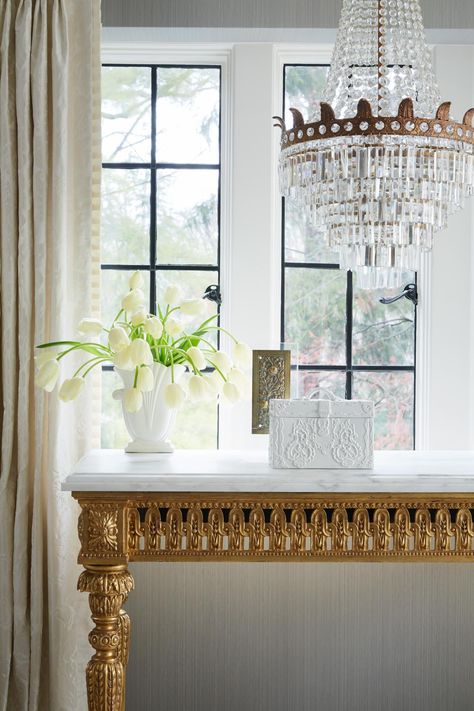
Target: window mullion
153, 194
349, 329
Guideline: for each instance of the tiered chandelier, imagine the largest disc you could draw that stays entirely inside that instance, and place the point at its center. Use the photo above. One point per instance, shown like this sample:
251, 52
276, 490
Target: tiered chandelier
381, 165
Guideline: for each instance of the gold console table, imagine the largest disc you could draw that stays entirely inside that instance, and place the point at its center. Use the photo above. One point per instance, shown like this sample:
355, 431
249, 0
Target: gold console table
210, 506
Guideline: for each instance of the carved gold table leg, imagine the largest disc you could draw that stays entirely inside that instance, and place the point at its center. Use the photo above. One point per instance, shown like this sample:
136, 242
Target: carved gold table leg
124, 647
108, 587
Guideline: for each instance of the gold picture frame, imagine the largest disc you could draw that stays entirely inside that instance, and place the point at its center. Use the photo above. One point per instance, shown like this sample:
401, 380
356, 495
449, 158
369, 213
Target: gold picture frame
270, 379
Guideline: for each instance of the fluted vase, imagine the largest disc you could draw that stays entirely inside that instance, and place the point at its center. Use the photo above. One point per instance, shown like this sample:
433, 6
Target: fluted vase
149, 428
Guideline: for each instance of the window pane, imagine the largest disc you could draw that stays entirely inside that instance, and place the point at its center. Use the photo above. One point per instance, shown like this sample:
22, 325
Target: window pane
125, 222
383, 334
193, 285
315, 314
303, 89
196, 426
126, 114
113, 432
393, 395
187, 225
303, 242
325, 384
114, 287
187, 115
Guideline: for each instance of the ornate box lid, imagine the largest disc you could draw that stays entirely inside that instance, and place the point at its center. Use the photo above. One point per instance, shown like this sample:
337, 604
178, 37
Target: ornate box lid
321, 408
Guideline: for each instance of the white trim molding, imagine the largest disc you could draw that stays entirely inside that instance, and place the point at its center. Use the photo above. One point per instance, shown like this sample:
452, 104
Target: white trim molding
423, 356
165, 52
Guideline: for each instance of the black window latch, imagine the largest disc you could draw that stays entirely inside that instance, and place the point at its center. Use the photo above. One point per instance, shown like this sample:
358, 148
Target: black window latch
409, 292
213, 293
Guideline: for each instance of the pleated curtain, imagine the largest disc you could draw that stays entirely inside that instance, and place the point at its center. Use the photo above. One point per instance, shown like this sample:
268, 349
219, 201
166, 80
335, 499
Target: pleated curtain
49, 279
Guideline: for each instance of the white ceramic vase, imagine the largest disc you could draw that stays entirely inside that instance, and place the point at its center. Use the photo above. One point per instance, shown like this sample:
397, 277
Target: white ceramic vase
151, 425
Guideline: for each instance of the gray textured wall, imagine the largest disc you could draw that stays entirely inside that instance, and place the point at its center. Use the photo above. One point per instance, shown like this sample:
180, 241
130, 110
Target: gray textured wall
261, 13
312, 637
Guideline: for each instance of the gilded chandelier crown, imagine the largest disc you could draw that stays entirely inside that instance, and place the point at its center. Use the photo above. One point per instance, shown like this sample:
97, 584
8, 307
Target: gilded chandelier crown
364, 123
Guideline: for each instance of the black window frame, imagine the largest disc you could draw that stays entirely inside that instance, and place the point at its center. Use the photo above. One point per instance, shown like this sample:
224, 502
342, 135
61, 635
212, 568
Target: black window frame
153, 267
349, 368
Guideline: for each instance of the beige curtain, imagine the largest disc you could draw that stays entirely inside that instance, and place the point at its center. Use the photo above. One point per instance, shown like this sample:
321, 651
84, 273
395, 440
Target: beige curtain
49, 200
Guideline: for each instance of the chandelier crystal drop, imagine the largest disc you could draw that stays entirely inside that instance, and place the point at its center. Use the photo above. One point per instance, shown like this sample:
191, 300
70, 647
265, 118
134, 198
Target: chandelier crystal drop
380, 165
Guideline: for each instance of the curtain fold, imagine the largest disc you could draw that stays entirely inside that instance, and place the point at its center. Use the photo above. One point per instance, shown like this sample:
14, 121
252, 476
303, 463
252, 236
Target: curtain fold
49, 280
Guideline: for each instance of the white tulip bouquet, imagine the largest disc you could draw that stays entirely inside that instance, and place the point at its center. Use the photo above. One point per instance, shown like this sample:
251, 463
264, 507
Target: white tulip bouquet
137, 338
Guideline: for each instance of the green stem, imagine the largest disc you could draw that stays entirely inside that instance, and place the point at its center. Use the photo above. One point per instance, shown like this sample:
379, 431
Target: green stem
102, 360
136, 377
220, 372
172, 366
208, 343
169, 312
223, 330
208, 320
118, 315
80, 346
52, 344
87, 362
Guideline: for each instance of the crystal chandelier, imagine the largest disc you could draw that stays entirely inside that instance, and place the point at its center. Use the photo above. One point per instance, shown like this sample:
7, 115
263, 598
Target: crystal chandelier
381, 164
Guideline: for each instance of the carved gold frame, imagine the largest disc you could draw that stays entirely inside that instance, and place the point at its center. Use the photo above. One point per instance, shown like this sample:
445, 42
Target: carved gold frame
115, 528
271, 373
274, 526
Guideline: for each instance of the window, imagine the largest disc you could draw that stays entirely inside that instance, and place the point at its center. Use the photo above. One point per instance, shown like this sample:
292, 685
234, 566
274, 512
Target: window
349, 343
160, 204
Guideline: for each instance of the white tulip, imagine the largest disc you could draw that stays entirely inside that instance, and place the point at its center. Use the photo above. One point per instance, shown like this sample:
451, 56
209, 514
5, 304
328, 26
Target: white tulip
70, 389
193, 307
140, 353
174, 327
90, 326
145, 380
174, 395
198, 388
173, 295
231, 393
47, 375
136, 280
221, 360
118, 339
123, 360
132, 400
184, 381
45, 354
197, 357
238, 377
139, 317
242, 355
153, 327
214, 383
133, 300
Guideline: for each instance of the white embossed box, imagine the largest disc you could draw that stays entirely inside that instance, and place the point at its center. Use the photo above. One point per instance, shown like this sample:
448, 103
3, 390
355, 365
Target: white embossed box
321, 434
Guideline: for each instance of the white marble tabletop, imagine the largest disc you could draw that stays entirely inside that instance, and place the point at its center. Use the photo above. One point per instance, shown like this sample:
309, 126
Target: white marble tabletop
249, 471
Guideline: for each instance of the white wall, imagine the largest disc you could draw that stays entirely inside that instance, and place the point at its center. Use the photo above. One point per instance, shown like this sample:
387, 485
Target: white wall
450, 358
251, 249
